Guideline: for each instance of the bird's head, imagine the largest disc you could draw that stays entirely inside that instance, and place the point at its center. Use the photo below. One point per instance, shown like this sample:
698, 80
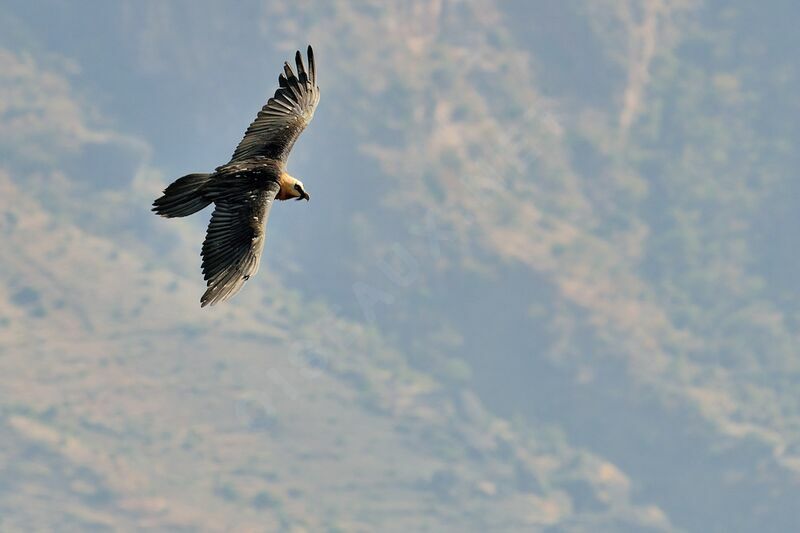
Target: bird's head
299, 191
291, 187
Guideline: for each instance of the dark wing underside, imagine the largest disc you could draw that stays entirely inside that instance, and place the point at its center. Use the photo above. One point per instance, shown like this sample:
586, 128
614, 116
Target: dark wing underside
279, 123
234, 240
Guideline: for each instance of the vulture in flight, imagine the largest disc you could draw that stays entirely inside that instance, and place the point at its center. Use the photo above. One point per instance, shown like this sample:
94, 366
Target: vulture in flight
244, 189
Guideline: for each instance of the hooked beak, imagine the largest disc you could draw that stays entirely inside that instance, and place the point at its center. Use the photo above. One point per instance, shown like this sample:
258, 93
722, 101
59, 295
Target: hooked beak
304, 196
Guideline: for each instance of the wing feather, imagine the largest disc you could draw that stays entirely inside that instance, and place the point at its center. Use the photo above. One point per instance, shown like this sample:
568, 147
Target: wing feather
234, 241
284, 117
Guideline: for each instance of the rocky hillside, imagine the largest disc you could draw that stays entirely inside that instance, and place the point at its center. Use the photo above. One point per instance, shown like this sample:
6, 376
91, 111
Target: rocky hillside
547, 278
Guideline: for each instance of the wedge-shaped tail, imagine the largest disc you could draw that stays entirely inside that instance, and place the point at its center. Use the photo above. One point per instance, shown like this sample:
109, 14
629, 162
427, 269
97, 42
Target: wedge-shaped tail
184, 197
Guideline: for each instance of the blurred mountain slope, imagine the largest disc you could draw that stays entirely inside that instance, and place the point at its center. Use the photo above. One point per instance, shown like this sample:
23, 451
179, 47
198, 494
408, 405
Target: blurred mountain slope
136, 409
127, 406
581, 212
634, 192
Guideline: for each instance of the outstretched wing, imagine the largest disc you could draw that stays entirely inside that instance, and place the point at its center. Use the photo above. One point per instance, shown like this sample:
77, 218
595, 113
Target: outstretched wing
280, 122
234, 241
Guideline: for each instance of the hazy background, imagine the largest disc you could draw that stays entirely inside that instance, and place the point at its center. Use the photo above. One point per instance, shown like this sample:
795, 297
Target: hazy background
549, 279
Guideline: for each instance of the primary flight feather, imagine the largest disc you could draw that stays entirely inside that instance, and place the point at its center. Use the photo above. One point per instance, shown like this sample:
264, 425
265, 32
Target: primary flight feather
244, 189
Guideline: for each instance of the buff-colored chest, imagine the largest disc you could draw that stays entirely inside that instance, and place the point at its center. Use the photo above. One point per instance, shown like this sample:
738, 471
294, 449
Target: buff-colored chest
287, 187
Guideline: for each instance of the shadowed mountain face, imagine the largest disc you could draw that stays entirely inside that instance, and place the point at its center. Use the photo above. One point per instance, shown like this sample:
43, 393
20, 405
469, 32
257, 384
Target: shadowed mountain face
547, 280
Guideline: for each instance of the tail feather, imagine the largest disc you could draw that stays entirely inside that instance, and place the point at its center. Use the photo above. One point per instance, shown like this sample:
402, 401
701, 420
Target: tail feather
183, 197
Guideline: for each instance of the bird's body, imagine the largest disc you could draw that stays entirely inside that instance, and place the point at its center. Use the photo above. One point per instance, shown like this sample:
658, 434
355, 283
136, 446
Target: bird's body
244, 189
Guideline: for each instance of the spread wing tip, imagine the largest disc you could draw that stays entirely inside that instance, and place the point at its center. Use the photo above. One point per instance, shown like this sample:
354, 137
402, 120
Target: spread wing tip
286, 113
220, 290
212, 297
312, 69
